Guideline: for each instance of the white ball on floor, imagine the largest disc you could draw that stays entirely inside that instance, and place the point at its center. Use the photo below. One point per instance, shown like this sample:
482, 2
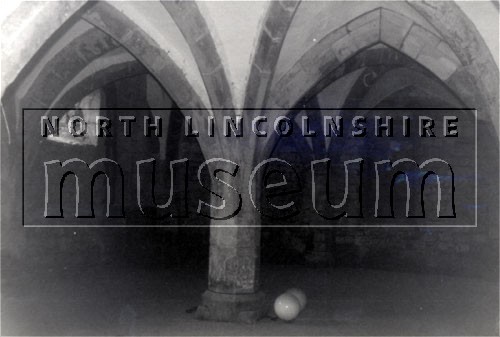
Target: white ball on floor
286, 307
301, 296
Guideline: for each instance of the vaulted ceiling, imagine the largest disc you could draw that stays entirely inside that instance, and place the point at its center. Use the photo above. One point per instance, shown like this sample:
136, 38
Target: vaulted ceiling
236, 54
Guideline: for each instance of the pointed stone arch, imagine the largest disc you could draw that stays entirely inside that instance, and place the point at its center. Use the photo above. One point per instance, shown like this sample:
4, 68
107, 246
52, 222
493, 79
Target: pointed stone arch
377, 26
459, 72
140, 44
114, 30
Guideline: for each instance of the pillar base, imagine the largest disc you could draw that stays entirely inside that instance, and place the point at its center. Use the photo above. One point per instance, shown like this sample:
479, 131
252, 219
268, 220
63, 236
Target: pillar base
243, 308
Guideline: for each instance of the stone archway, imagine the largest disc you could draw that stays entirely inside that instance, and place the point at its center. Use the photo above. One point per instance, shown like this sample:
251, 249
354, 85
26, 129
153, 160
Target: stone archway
465, 75
471, 75
77, 60
441, 55
233, 261
115, 28
461, 60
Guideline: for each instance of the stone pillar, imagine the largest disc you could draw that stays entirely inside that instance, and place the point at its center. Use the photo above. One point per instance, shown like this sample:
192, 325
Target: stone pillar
233, 277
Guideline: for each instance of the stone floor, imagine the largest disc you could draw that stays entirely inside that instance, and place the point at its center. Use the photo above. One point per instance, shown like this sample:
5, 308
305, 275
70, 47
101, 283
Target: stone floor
112, 300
